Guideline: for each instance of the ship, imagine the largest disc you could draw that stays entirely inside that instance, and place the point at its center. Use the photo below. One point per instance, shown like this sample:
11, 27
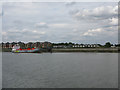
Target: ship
16, 49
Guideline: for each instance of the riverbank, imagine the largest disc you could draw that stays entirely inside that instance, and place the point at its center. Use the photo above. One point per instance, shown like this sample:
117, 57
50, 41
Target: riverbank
86, 50
114, 50
5, 50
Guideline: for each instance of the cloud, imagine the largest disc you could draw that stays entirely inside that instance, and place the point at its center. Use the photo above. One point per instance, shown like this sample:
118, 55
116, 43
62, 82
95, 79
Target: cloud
39, 32
41, 25
59, 25
70, 3
1, 12
54, 21
113, 21
22, 34
102, 32
4, 33
102, 12
54, 25
74, 30
93, 32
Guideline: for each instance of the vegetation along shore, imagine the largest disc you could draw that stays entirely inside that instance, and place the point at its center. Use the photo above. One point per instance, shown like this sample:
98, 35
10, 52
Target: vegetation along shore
63, 47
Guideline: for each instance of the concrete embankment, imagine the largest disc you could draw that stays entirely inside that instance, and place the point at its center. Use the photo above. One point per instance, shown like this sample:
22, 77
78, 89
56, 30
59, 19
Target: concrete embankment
86, 50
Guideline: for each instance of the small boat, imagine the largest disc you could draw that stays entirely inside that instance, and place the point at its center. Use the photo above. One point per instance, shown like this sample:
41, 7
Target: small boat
16, 49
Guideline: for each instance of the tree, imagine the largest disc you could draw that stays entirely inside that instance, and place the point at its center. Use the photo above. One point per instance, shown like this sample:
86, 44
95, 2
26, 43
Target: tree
70, 43
99, 45
107, 45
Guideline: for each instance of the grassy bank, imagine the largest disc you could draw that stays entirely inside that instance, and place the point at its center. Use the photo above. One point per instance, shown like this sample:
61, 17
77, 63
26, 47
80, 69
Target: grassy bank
86, 50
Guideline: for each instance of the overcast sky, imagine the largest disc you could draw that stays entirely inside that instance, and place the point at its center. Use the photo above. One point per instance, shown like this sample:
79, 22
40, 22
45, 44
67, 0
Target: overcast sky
78, 22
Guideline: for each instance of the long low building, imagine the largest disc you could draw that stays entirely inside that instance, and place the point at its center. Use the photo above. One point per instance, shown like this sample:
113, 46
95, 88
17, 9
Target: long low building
86, 45
76, 46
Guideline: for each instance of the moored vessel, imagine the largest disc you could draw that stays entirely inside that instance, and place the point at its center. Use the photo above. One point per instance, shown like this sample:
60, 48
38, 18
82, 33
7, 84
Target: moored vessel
16, 49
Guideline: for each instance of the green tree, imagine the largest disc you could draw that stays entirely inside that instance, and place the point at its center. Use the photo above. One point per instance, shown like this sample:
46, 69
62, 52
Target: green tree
107, 45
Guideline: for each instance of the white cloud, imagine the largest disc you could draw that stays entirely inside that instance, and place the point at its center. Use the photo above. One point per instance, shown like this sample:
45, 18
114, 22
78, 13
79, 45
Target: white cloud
4, 33
22, 34
59, 25
51, 21
102, 12
55, 25
70, 3
39, 32
93, 32
113, 21
102, 32
75, 30
1, 13
60, 0
41, 25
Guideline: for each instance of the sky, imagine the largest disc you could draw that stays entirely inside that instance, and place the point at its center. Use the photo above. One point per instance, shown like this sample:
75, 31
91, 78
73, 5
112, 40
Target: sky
78, 22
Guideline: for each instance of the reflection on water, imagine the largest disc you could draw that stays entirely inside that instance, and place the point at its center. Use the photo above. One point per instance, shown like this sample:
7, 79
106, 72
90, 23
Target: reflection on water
60, 70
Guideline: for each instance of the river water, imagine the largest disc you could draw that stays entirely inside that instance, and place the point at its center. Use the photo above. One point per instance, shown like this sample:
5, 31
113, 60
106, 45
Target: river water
60, 70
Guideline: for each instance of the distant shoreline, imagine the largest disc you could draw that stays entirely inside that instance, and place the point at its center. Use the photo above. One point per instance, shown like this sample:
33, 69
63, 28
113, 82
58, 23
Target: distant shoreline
110, 50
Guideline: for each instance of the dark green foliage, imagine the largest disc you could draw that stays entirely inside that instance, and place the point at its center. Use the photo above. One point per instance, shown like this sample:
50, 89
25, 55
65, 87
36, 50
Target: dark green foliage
108, 45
